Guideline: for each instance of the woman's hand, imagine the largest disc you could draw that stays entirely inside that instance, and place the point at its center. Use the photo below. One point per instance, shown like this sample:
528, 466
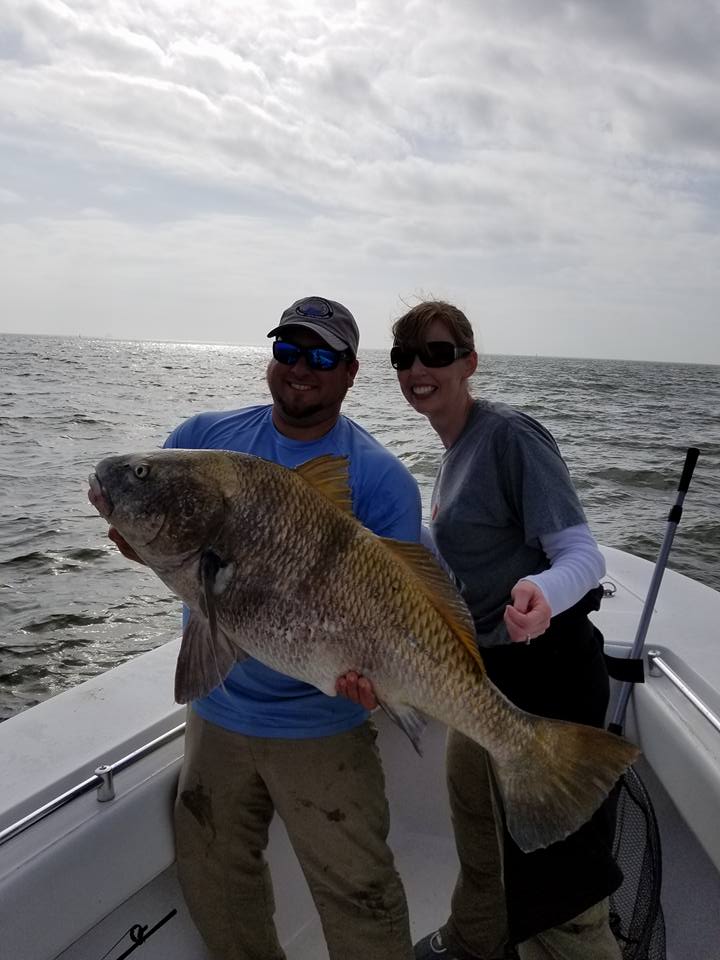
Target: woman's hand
530, 613
123, 546
358, 689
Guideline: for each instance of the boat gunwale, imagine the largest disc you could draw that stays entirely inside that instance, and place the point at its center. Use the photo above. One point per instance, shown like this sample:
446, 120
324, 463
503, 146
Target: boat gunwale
100, 778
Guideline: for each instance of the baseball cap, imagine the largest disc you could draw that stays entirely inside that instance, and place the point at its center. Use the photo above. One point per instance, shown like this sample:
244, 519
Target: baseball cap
328, 318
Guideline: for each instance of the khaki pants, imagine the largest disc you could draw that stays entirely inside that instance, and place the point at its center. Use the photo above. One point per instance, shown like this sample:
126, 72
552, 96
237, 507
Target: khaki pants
585, 937
330, 793
478, 922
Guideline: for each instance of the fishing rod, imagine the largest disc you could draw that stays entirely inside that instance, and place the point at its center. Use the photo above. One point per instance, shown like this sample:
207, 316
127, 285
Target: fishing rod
618, 718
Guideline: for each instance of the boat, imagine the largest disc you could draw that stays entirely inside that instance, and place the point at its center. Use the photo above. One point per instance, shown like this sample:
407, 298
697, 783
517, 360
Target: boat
87, 867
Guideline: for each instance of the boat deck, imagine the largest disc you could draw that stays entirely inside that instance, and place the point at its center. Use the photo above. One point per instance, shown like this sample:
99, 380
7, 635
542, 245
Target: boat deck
425, 854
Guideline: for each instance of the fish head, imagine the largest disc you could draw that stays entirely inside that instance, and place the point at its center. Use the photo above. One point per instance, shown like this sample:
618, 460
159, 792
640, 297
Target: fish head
168, 503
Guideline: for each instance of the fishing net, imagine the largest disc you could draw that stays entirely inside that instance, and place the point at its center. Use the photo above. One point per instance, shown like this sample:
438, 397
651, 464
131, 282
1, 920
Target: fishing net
636, 915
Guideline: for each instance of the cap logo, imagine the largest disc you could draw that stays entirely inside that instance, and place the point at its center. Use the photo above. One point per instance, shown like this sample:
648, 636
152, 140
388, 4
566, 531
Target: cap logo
315, 309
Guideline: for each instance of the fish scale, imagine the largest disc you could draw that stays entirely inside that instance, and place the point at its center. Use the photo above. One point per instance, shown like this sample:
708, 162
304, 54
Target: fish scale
272, 564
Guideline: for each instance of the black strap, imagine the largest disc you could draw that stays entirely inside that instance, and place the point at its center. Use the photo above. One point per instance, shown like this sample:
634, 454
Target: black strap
591, 600
625, 669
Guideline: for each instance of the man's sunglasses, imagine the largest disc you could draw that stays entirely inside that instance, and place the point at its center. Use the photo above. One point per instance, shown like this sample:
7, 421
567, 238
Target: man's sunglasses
435, 353
317, 358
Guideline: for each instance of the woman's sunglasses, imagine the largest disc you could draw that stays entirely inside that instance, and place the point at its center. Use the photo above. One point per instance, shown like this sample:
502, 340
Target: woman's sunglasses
435, 353
317, 358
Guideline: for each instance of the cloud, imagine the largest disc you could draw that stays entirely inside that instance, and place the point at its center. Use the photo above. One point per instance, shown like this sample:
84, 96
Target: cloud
548, 154
9, 197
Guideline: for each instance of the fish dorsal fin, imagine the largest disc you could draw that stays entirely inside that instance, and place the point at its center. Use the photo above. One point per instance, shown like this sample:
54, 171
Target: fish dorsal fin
329, 475
439, 589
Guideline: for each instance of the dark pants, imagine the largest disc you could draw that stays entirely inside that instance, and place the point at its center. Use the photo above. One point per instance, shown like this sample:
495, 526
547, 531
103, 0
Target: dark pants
561, 675
477, 926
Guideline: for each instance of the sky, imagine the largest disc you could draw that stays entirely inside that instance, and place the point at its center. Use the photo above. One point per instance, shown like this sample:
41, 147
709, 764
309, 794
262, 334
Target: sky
178, 170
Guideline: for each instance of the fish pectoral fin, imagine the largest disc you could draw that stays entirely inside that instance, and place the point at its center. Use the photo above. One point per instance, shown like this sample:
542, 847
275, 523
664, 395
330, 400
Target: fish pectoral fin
204, 661
214, 579
410, 721
329, 475
440, 591
224, 576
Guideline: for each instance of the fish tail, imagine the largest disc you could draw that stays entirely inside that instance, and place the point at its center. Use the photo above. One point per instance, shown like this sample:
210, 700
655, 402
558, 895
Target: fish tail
559, 779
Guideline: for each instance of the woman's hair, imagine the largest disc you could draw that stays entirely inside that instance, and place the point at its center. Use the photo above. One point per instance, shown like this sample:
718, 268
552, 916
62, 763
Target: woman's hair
411, 327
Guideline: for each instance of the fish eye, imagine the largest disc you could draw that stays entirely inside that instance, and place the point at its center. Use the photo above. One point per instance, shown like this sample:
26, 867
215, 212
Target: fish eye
141, 471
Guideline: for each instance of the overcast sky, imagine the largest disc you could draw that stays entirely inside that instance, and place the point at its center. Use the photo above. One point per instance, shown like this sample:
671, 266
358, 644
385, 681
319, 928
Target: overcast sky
184, 170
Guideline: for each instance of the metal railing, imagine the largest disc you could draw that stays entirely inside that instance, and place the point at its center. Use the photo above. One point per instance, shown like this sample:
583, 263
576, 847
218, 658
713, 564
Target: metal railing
103, 779
658, 666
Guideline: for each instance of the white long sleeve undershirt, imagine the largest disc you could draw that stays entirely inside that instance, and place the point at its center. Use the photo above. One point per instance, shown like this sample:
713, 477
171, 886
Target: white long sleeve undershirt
576, 566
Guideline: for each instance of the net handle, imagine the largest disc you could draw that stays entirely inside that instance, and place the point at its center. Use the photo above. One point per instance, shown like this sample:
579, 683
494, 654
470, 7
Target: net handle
691, 458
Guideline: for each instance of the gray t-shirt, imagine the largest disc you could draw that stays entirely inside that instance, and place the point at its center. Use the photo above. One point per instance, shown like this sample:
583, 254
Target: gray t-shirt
501, 486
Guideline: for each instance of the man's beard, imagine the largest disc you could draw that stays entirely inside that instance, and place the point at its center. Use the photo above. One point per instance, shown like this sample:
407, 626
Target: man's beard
303, 413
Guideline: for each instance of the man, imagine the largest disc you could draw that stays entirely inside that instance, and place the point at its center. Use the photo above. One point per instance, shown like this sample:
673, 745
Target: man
267, 742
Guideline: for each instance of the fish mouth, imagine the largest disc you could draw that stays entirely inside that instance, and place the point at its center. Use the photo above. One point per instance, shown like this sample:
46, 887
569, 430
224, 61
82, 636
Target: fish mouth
98, 497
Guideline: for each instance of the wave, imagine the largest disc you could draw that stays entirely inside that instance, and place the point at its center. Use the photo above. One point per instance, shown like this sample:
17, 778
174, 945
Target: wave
38, 560
421, 465
634, 477
63, 621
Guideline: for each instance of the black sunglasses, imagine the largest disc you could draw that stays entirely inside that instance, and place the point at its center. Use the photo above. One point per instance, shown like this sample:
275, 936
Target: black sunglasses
317, 358
435, 353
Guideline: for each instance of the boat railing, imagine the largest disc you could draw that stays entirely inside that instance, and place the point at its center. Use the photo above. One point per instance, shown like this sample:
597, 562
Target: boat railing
102, 779
658, 667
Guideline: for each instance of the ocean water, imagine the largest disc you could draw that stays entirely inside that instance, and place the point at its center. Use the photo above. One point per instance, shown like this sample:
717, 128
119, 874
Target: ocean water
71, 606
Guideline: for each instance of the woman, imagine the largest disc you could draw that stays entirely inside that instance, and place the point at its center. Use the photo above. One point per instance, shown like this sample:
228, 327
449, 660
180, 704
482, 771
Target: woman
507, 521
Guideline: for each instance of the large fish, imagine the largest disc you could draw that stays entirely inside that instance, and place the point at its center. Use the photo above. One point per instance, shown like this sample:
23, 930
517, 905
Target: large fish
273, 564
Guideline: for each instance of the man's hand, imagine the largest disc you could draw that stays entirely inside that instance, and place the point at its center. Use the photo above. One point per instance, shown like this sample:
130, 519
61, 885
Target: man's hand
123, 546
530, 613
358, 689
